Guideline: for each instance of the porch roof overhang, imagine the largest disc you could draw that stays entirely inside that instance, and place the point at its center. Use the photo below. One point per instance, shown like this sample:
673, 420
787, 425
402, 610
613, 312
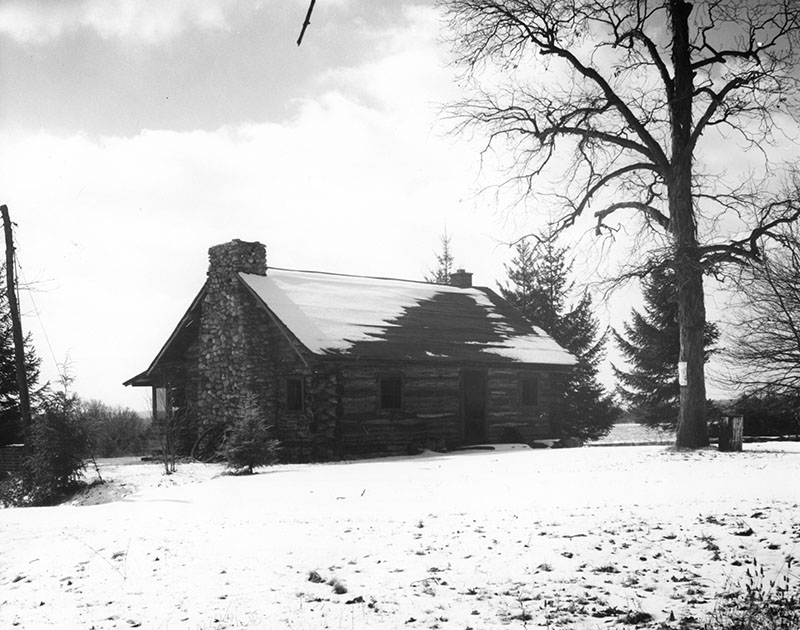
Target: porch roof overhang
140, 380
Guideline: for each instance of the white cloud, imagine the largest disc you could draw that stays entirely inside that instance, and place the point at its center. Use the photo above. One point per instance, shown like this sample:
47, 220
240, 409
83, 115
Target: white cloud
408, 62
138, 20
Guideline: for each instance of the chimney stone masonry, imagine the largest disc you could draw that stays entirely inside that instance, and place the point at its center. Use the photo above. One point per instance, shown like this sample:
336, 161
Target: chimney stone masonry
461, 279
237, 255
231, 361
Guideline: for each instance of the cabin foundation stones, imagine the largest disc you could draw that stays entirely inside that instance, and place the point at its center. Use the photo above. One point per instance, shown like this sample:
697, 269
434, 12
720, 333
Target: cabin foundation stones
353, 365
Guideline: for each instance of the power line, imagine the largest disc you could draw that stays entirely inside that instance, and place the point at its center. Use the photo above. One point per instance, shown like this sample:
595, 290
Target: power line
21, 274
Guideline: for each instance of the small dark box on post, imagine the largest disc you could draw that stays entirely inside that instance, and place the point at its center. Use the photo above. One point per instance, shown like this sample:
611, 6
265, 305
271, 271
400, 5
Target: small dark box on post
731, 429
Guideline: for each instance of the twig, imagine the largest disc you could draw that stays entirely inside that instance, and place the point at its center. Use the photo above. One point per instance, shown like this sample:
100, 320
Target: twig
307, 22
99, 555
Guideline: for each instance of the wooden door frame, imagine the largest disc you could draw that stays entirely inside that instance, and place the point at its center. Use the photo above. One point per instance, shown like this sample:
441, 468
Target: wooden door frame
484, 425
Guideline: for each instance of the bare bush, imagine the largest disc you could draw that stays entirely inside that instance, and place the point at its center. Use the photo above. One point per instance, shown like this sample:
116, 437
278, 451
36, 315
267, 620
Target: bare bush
117, 431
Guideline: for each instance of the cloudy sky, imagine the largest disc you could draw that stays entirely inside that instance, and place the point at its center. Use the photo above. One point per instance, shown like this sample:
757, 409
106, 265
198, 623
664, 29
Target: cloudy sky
135, 134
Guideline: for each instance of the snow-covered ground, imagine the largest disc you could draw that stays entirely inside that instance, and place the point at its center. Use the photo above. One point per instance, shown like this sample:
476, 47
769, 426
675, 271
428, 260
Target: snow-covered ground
632, 433
575, 538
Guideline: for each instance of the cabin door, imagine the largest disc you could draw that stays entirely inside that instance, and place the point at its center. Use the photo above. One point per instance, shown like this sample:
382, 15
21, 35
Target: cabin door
473, 405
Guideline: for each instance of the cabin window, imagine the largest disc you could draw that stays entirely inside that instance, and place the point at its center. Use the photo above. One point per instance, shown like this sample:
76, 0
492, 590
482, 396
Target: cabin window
390, 392
294, 393
159, 403
529, 387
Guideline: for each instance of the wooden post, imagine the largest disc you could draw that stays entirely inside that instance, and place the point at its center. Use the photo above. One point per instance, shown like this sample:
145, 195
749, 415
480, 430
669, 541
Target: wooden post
16, 327
731, 429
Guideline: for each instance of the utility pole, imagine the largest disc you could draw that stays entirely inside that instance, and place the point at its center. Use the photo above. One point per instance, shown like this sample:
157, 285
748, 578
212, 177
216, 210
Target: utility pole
16, 327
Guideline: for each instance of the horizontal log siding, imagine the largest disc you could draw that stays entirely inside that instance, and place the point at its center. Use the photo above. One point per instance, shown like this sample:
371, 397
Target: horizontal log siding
12, 458
430, 417
284, 360
505, 412
312, 433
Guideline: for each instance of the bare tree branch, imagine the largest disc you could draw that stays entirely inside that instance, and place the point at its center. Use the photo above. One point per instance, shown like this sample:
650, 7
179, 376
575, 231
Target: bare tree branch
306, 22
766, 349
648, 210
619, 101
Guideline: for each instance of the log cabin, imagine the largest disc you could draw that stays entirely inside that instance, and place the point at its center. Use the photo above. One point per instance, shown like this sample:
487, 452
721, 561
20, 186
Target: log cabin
344, 365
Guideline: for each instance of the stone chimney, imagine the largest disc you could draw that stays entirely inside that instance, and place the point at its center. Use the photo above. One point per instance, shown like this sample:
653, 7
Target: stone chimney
237, 255
231, 346
461, 279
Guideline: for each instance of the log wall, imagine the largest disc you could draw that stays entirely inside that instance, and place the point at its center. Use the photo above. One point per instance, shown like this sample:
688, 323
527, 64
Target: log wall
507, 417
11, 458
430, 416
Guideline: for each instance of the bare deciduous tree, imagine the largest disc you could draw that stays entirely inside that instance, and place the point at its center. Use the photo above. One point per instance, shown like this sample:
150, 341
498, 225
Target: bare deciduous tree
626, 101
766, 348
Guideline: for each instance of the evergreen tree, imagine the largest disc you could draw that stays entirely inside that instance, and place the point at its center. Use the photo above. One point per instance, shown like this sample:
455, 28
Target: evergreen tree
10, 421
541, 288
61, 443
650, 343
444, 263
540, 281
247, 444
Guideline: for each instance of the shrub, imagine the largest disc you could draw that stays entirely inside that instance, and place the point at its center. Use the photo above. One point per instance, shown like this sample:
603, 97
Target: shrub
248, 444
12, 490
768, 413
759, 605
60, 446
115, 431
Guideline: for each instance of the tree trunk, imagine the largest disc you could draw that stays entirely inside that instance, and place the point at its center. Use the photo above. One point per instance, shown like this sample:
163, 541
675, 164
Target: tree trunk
692, 426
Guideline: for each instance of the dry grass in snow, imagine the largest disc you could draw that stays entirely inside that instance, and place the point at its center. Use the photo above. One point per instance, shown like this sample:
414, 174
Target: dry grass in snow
583, 538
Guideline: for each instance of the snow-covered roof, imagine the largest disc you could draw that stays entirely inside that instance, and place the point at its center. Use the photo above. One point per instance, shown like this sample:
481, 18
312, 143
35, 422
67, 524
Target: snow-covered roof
401, 319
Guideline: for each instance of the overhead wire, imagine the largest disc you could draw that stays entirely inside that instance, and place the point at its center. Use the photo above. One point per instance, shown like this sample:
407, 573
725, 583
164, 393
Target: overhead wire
20, 274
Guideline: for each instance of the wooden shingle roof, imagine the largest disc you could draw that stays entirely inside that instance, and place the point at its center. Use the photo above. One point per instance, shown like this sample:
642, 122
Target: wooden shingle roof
388, 319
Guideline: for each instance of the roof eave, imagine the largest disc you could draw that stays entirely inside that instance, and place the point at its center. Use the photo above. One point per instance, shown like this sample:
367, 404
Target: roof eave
145, 378
498, 363
140, 380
